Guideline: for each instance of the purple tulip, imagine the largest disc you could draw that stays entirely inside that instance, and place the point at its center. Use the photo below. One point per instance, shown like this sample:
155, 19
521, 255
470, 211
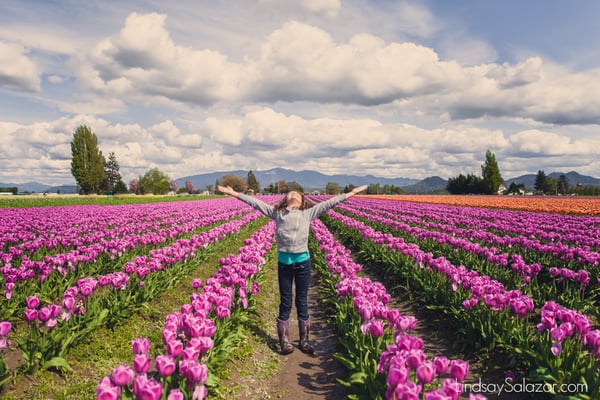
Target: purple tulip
397, 374
437, 394
556, 349
196, 283
44, 313
407, 391
165, 364
141, 363
5, 327
140, 345
174, 347
425, 372
175, 394
197, 373
459, 369
200, 392
106, 391
122, 375
33, 302
441, 364
30, 314
150, 390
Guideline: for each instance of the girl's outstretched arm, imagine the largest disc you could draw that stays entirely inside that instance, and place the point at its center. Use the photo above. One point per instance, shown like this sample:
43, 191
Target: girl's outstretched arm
253, 202
357, 190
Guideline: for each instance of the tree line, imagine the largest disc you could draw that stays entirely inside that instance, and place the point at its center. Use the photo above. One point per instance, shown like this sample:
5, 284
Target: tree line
491, 182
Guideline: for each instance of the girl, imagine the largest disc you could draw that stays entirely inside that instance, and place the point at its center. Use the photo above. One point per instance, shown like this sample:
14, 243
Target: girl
292, 216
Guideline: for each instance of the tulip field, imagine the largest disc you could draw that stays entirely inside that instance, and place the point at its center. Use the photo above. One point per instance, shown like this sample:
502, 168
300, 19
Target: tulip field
520, 283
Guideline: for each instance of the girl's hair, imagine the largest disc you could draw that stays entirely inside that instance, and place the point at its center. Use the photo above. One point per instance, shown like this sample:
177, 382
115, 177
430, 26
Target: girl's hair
282, 204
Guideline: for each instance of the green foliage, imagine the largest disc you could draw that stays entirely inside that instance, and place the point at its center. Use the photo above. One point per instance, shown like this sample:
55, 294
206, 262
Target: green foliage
154, 181
332, 188
462, 184
87, 164
488, 183
112, 175
253, 183
490, 172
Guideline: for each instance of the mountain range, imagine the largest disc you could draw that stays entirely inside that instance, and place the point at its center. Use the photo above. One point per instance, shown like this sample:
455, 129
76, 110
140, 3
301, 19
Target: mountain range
313, 180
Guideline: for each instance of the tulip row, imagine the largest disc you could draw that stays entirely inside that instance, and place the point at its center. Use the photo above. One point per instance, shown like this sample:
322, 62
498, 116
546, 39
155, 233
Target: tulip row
495, 326
384, 360
54, 271
572, 238
195, 337
574, 295
484, 232
52, 329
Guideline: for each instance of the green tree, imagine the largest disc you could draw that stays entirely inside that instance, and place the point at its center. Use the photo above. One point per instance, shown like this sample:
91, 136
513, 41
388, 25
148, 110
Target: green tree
120, 187
293, 185
490, 173
87, 164
252, 182
562, 186
111, 173
540, 181
154, 181
332, 188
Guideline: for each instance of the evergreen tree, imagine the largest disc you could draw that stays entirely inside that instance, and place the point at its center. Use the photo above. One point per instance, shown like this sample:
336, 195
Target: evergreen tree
111, 173
87, 164
540, 181
491, 177
252, 182
562, 186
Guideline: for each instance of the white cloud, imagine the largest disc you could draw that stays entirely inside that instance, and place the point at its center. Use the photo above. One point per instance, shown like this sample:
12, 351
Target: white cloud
17, 70
388, 88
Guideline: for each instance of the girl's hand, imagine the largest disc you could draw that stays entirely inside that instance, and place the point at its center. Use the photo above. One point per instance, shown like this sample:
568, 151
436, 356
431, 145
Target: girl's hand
360, 189
227, 190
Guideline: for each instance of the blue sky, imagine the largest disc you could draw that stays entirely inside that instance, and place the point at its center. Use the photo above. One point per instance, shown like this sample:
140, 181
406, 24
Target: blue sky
389, 88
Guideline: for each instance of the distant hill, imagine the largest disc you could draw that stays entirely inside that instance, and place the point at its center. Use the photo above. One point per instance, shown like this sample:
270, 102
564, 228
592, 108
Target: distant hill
573, 178
35, 187
309, 180
313, 180
433, 184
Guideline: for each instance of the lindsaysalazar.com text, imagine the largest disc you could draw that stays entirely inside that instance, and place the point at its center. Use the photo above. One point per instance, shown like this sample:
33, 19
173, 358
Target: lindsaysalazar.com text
512, 386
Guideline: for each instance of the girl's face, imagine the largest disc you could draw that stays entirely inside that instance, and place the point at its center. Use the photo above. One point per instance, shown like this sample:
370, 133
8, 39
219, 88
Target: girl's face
294, 199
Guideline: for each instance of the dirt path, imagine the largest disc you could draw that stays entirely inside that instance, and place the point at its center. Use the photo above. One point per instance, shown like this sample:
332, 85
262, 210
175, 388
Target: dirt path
307, 377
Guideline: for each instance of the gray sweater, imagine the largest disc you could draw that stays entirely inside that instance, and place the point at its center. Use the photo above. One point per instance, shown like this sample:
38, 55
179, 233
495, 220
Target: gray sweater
292, 225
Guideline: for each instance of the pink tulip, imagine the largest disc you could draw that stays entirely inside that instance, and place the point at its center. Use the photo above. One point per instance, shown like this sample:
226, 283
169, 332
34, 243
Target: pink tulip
165, 365
141, 363
459, 369
122, 375
5, 328
174, 347
106, 391
152, 390
441, 364
33, 302
425, 372
30, 314
175, 394
140, 345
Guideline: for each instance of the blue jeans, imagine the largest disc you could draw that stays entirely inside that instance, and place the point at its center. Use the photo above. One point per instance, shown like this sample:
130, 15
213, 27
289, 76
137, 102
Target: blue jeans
298, 273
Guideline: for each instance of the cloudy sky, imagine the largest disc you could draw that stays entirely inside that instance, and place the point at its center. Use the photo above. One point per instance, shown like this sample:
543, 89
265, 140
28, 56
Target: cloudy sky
390, 88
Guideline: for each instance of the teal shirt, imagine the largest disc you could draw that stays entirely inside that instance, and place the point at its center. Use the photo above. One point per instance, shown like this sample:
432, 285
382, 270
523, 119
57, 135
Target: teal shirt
292, 258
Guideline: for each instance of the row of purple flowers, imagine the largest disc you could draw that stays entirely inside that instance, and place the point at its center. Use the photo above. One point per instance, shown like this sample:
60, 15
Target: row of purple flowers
181, 368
